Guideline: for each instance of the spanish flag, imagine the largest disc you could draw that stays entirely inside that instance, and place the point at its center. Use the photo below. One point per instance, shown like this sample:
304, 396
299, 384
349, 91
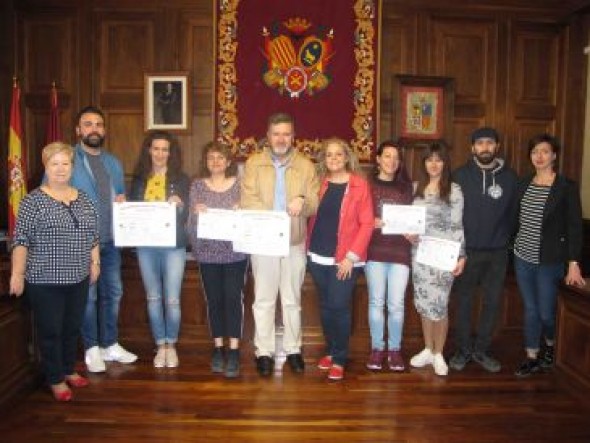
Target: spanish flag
17, 183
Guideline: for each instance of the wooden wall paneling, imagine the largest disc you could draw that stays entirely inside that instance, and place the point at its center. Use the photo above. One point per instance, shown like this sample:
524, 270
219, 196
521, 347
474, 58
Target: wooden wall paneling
126, 51
196, 37
126, 45
533, 87
398, 56
49, 52
17, 371
572, 96
573, 329
125, 136
467, 50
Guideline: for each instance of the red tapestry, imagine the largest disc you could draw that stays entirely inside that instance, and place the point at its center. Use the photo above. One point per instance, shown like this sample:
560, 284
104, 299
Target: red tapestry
314, 59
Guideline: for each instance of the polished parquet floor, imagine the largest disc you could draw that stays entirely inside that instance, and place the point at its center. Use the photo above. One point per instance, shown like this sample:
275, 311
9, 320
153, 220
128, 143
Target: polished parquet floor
137, 403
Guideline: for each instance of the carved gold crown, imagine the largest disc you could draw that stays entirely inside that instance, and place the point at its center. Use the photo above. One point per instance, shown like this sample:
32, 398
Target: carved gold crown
297, 25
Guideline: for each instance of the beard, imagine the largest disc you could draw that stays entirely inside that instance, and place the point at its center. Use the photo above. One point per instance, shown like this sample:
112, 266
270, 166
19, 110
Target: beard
93, 140
485, 158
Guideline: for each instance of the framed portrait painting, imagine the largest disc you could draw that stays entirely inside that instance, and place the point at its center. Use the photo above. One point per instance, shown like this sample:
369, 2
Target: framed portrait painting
423, 108
167, 103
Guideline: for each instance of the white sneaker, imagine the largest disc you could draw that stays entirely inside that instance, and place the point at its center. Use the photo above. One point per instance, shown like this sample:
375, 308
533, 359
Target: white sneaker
422, 359
116, 352
171, 358
160, 358
440, 365
93, 360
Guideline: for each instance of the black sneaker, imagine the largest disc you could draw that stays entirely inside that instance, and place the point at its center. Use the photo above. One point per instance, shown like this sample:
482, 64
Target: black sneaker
217, 361
547, 357
528, 367
459, 360
232, 369
486, 361
265, 365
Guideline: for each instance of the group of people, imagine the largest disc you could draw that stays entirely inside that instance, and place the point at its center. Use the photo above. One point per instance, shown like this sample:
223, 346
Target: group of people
65, 260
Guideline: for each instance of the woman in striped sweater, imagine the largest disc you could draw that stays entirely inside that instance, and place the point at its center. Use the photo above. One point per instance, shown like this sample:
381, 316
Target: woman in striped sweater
547, 247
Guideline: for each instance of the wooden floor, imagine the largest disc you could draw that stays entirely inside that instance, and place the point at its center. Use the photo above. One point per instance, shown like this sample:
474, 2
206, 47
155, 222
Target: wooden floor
137, 403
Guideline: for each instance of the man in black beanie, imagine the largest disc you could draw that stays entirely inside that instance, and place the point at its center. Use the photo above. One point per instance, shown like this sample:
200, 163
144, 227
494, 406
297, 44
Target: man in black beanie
489, 221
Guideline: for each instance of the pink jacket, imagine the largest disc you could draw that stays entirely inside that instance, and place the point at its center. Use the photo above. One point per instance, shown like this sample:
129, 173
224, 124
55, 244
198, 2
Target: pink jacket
356, 219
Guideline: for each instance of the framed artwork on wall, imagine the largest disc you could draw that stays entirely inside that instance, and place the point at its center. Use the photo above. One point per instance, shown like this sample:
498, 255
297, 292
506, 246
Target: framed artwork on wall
167, 102
423, 108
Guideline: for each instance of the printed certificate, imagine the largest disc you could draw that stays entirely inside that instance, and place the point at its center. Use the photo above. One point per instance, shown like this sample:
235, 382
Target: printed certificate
403, 219
263, 233
144, 224
438, 253
218, 224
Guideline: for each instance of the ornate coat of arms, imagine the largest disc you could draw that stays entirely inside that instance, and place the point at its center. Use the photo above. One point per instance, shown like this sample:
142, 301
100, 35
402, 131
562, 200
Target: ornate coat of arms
297, 57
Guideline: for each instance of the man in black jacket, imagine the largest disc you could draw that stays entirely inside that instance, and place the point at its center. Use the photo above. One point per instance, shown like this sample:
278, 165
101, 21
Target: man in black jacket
489, 221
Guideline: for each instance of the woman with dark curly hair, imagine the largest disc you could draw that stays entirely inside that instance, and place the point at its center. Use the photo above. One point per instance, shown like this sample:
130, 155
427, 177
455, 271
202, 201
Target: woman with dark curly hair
158, 178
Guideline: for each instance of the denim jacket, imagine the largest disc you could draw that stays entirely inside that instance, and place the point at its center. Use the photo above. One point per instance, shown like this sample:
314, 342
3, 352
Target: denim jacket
82, 177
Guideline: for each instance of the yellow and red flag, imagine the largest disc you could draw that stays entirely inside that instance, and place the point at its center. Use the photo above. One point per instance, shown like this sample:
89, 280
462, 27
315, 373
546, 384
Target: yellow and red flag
17, 183
53, 133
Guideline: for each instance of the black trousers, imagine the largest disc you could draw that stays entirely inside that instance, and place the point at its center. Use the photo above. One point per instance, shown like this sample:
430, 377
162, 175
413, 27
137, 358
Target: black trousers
58, 311
486, 269
223, 284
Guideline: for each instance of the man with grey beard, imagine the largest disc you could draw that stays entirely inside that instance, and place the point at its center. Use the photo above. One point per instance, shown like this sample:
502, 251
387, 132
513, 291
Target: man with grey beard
489, 222
100, 175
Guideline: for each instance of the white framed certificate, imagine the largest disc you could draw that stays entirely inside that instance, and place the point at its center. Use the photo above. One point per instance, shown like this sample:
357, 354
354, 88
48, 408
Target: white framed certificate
263, 233
218, 224
438, 252
144, 224
403, 219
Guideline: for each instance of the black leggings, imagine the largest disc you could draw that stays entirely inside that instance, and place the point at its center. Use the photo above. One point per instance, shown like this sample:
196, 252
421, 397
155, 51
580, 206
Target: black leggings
223, 284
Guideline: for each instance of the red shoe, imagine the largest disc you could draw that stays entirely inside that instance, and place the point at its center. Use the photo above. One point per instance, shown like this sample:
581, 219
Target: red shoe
325, 362
336, 372
77, 381
61, 395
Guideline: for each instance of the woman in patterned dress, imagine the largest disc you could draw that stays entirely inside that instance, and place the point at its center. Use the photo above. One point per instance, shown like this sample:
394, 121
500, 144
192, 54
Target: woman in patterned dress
223, 271
444, 213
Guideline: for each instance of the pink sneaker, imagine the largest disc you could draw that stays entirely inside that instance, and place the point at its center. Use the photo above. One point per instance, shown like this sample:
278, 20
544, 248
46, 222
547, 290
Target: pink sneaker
325, 362
395, 361
376, 359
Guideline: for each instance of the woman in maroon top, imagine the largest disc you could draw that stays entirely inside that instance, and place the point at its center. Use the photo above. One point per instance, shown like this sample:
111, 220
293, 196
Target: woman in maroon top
388, 259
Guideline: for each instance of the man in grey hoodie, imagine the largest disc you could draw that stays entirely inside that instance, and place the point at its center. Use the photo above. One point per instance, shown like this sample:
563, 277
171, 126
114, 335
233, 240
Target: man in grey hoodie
489, 220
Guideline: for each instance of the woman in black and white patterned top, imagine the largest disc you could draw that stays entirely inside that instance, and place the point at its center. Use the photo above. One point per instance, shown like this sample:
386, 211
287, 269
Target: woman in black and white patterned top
54, 258
547, 247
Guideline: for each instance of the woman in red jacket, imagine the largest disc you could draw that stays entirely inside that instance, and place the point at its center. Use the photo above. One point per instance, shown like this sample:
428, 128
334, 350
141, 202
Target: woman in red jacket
338, 237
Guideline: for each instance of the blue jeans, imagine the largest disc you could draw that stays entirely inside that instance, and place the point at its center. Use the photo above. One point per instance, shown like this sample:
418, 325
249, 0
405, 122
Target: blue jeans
102, 309
538, 285
162, 270
386, 280
335, 308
